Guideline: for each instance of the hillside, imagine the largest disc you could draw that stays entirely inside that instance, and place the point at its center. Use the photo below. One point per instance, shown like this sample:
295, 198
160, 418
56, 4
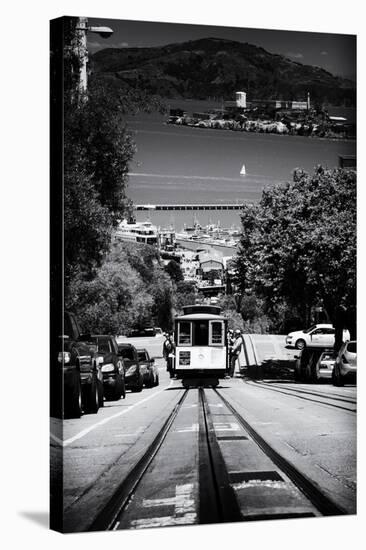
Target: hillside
214, 67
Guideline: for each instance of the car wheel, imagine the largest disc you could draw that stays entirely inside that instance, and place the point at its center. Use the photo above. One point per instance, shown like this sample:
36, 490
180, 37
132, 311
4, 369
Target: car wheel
297, 375
308, 377
73, 407
338, 380
92, 399
101, 394
140, 385
157, 380
123, 394
300, 344
118, 388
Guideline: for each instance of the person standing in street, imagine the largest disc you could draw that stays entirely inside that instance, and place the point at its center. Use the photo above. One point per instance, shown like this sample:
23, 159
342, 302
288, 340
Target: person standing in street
235, 351
168, 352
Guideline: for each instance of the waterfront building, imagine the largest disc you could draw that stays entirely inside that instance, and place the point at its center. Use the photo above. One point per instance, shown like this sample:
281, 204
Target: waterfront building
138, 232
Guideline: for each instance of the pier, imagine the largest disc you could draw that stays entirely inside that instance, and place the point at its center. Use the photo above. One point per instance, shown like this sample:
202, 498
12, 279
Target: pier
161, 207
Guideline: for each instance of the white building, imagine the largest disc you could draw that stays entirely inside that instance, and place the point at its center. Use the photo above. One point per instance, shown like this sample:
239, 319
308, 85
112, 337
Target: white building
241, 99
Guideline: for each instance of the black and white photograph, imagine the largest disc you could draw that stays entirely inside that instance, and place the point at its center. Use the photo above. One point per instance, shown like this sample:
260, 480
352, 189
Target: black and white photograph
203, 274
182, 275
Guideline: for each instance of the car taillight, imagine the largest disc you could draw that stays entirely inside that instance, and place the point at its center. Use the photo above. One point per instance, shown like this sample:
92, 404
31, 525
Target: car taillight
64, 357
344, 359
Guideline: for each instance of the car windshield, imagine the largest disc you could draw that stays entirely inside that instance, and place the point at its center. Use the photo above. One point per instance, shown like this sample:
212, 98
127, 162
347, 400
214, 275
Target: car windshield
103, 346
126, 353
329, 357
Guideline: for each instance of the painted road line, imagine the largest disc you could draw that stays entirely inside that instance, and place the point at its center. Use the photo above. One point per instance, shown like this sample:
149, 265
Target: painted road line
193, 428
81, 434
184, 509
226, 427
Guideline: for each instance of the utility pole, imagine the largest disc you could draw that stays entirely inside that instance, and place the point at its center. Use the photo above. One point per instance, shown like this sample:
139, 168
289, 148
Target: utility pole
81, 48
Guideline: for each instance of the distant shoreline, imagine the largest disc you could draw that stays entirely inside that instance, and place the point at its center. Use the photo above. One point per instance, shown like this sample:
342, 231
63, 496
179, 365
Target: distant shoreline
312, 136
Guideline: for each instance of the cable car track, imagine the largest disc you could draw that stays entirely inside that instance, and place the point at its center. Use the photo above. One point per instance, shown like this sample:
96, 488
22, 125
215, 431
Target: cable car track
335, 396
293, 392
106, 519
218, 503
217, 496
321, 502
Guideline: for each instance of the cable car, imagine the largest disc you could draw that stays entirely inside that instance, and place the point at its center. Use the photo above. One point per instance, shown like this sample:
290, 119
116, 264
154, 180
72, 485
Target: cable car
201, 356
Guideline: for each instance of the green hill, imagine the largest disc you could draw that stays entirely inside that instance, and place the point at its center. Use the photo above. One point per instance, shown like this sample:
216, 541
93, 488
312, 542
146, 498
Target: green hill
212, 67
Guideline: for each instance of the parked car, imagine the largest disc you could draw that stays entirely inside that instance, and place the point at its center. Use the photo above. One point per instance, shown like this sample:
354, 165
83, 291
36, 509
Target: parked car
325, 364
321, 335
111, 365
133, 376
77, 372
150, 370
345, 366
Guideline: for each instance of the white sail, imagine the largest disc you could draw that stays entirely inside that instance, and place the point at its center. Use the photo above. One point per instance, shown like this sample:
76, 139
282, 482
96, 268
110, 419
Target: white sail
242, 171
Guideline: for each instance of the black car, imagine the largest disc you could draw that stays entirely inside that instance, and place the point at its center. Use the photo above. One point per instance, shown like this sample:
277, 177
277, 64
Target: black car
147, 364
75, 377
111, 365
133, 376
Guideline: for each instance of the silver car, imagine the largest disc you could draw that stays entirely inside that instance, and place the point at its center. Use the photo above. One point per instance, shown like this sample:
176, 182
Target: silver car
325, 364
345, 366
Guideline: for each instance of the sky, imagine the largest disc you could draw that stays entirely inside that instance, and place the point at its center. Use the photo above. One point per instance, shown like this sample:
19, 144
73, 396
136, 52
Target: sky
335, 53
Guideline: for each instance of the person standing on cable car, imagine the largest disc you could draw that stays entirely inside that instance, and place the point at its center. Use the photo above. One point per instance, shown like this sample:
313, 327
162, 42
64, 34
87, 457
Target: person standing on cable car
230, 342
235, 351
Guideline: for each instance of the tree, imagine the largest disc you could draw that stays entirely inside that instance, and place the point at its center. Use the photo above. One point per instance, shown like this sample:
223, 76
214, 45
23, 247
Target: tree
124, 294
185, 294
298, 245
174, 271
98, 148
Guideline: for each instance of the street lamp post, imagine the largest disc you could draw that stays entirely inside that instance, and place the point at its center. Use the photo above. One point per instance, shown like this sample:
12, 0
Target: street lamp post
81, 31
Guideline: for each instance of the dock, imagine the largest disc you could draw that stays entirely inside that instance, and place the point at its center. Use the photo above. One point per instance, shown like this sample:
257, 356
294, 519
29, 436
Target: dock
161, 207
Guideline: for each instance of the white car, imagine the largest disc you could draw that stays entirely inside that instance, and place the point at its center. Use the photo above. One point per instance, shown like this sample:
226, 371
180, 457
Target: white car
316, 336
325, 365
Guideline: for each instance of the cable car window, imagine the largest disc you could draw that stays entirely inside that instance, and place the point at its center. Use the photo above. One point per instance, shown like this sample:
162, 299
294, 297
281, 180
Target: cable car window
200, 333
216, 336
184, 334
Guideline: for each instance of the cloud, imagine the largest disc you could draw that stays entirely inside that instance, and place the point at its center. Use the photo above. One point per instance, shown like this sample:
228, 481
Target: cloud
323, 53
94, 45
295, 55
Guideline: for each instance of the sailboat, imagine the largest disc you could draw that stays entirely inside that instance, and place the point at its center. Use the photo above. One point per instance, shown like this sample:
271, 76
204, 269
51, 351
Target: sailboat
243, 171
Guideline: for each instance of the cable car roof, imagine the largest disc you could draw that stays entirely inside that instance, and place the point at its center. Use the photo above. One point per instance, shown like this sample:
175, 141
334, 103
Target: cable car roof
201, 308
200, 317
